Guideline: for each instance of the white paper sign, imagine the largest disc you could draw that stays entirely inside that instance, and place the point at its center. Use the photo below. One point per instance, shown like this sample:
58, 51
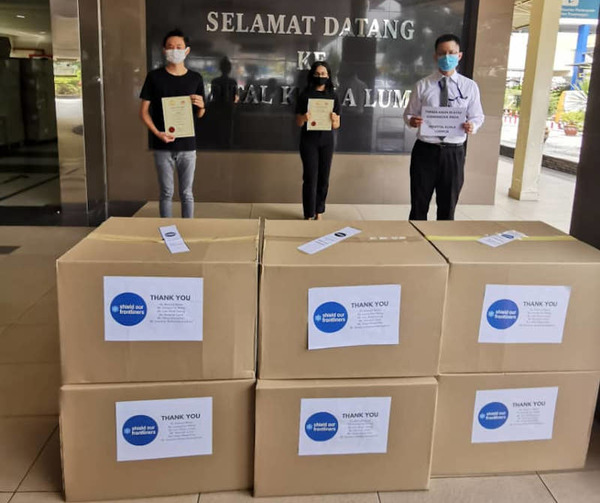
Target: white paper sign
153, 309
513, 415
323, 242
443, 121
524, 314
155, 429
353, 316
173, 239
502, 238
344, 425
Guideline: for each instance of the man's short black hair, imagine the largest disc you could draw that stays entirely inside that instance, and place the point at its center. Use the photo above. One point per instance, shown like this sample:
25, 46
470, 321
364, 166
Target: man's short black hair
176, 33
448, 37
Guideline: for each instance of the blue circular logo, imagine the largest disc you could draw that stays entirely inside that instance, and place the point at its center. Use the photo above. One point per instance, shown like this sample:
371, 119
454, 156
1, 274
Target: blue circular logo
493, 415
321, 426
503, 314
330, 317
128, 309
140, 430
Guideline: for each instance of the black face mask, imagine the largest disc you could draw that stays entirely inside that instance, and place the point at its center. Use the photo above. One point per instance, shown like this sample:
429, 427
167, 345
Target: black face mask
320, 81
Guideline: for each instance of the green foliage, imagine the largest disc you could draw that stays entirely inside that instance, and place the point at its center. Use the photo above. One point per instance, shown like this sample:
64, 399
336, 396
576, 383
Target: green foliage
574, 118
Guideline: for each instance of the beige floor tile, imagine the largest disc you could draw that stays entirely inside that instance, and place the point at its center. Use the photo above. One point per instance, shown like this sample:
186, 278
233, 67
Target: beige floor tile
525, 488
44, 311
482, 212
4, 497
383, 211
30, 278
48, 241
342, 212
277, 211
56, 497
45, 474
574, 487
29, 344
246, 497
201, 210
29, 389
21, 440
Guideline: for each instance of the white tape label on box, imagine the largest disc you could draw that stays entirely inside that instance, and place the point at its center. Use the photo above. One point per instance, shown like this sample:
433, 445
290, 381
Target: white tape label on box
323, 242
155, 429
524, 314
353, 316
153, 309
344, 425
513, 415
502, 238
173, 239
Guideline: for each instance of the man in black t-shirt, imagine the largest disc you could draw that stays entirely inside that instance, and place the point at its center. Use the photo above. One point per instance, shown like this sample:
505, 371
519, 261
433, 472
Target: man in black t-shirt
170, 153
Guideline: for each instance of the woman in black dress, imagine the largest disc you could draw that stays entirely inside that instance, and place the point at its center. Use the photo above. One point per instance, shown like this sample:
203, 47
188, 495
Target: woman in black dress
316, 147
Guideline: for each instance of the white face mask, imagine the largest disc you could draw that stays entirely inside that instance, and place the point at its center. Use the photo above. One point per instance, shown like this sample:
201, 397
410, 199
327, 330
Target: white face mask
175, 56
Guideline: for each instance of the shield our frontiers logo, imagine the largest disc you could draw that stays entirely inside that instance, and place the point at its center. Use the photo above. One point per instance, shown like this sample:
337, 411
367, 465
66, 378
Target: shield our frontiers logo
140, 430
321, 426
170, 234
339, 234
503, 314
330, 317
128, 309
493, 415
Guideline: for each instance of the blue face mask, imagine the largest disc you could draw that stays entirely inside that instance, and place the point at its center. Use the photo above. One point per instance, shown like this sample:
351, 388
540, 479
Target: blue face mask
448, 62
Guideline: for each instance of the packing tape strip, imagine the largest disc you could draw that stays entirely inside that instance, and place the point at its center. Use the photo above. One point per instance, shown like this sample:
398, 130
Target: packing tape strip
477, 238
359, 238
145, 239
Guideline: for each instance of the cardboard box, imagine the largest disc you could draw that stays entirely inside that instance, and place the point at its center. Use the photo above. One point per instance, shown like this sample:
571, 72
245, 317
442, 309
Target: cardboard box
322, 436
513, 423
131, 311
387, 262
136, 440
527, 305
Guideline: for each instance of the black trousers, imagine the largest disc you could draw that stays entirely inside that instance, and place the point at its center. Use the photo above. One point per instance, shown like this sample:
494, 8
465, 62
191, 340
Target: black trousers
440, 168
316, 152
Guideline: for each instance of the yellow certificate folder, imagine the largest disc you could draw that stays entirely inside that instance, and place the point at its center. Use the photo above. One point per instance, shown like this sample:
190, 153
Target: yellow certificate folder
179, 116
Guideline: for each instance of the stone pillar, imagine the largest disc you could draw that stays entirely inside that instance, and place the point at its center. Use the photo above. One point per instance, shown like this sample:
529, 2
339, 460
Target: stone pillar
543, 30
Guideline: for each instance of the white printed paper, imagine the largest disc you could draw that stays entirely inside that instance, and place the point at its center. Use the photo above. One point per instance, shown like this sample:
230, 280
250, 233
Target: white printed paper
524, 314
323, 242
344, 425
443, 121
353, 316
155, 429
153, 309
173, 239
514, 415
502, 238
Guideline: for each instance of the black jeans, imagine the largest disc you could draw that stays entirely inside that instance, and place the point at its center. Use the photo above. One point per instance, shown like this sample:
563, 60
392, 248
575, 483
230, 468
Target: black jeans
316, 153
439, 168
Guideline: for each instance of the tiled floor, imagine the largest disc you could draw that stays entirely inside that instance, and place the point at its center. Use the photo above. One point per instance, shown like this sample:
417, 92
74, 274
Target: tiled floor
29, 362
554, 206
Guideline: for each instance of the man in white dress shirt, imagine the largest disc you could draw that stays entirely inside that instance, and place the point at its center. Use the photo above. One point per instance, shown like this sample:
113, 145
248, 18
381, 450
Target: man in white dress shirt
437, 163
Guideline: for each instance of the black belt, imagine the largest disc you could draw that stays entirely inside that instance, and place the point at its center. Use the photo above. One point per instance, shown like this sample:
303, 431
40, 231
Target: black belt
443, 144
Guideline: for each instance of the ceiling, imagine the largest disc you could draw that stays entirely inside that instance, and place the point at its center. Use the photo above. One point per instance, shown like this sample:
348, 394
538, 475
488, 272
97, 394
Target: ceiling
521, 14
26, 23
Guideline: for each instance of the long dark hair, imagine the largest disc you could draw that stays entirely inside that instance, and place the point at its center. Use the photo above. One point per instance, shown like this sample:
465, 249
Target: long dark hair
310, 81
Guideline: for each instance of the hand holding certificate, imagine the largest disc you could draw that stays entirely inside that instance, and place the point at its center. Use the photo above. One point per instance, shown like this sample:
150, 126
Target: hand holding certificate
443, 121
179, 117
320, 111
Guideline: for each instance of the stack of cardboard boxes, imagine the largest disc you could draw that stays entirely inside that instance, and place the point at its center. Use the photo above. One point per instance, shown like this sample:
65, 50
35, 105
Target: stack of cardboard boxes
520, 348
348, 346
158, 359
158, 355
